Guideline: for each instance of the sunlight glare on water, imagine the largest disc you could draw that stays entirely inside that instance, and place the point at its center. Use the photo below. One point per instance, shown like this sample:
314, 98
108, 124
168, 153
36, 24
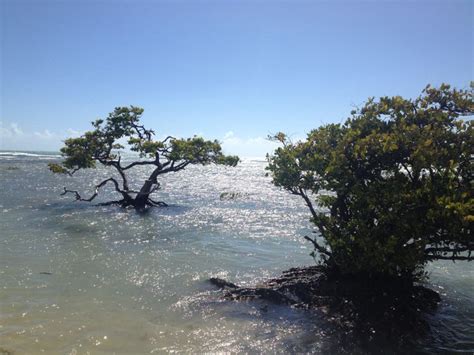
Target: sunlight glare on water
76, 277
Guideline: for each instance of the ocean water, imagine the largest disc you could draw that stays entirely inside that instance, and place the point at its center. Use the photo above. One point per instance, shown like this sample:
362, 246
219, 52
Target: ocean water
76, 278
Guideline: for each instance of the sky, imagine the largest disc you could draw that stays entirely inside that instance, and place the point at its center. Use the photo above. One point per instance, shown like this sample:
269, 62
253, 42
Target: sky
232, 70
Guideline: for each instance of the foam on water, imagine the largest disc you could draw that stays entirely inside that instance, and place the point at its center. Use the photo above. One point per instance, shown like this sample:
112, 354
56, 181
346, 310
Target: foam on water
7, 155
78, 278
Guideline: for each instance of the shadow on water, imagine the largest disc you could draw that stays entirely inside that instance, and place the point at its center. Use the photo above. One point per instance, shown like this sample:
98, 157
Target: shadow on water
315, 331
397, 320
125, 275
76, 207
299, 331
170, 210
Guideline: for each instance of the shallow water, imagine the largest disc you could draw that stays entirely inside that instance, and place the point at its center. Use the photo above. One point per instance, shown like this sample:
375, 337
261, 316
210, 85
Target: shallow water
76, 278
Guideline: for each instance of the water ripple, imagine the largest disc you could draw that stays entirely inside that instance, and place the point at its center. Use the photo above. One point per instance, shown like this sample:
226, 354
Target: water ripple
78, 278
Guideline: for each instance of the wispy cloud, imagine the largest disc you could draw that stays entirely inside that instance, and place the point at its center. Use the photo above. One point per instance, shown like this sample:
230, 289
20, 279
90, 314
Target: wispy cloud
12, 136
73, 133
46, 134
247, 147
9, 130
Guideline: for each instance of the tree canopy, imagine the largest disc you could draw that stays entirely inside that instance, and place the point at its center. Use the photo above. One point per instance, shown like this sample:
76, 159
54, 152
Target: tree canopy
392, 187
103, 145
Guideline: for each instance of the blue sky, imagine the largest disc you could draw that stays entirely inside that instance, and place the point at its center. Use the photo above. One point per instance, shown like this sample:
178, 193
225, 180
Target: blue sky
231, 70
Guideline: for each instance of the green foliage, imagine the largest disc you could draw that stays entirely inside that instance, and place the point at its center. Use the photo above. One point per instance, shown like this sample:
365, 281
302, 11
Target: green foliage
57, 168
102, 144
391, 188
196, 150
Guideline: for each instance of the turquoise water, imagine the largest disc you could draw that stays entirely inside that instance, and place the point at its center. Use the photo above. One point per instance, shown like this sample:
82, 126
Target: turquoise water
76, 278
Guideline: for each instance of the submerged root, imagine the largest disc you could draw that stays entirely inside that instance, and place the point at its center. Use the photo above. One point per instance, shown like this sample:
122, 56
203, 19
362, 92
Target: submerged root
131, 203
122, 203
393, 308
153, 203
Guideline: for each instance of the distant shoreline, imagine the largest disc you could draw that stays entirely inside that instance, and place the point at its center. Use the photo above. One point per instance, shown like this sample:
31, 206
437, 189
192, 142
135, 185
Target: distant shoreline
42, 153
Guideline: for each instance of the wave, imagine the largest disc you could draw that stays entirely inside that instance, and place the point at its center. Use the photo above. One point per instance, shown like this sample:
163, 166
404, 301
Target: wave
15, 154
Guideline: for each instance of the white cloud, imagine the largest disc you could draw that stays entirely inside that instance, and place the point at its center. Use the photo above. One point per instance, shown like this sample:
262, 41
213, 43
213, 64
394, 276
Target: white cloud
247, 147
73, 133
15, 129
11, 130
46, 134
12, 136
228, 135
254, 147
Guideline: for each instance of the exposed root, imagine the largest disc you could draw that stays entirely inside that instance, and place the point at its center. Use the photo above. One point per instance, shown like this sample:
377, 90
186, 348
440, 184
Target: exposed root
122, 203
153, 203
221, 283
393, 307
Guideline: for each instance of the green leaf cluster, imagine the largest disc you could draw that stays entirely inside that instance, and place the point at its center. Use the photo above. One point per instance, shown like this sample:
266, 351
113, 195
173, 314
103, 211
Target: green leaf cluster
393, 185
197, 150
123, 125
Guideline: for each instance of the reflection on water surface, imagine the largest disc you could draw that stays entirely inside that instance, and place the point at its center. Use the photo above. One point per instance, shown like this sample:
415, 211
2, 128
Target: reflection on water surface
78, 278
